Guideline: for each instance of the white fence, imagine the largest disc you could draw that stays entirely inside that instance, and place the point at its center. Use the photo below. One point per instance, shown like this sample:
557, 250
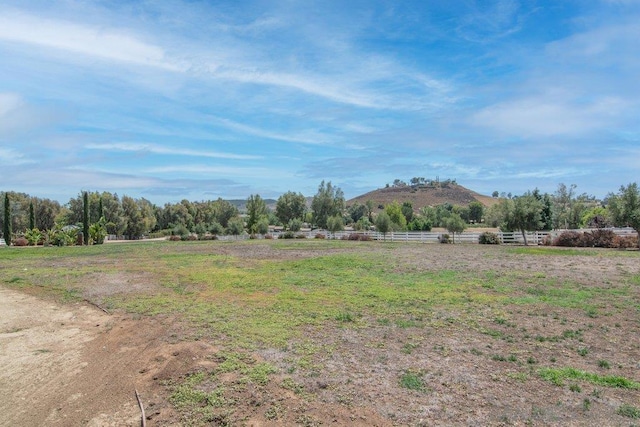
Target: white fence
533, 238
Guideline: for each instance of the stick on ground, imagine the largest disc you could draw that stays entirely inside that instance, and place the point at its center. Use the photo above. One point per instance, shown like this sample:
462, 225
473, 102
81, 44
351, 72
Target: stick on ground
144, 418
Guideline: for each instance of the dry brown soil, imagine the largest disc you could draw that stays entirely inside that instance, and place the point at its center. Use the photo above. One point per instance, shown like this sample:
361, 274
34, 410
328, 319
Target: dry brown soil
73, 364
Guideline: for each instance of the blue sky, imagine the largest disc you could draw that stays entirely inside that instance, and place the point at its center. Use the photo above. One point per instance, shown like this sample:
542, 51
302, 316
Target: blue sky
205, 99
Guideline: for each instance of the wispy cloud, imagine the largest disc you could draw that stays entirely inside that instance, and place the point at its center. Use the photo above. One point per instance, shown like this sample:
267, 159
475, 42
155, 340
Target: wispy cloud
109, 44
169, 151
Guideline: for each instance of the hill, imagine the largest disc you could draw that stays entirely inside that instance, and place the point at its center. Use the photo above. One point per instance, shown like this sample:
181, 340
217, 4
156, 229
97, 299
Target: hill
424, 195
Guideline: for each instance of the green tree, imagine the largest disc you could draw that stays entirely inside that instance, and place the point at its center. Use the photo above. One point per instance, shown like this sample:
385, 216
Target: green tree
335, 224
328, 202
522, 213
625, 207
476, 212
295, 224
46, 212
256, 210
32, 216
394, 210
383, 224
407, 211
370, 204
262, 226
235, 227
85, 217
356, 211
290, 206
455, 224
6, 224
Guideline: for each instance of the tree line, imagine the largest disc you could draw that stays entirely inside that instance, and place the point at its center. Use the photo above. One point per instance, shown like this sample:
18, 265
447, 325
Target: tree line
98, 214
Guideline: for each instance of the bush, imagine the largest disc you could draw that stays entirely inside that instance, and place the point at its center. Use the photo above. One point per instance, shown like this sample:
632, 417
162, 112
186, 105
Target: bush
268, 236
488, 238
626, 242
175, 238
357, 237
569, 239
320, 236
190, 237
20, 241
444, 238
301, 236
287, 235
208, 237
603, 238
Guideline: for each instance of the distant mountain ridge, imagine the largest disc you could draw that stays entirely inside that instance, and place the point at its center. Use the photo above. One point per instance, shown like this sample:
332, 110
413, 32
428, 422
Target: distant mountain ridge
424, 195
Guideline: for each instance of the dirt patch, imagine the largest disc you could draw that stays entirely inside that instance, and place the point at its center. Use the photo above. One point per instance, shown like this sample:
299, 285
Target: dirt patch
478, 364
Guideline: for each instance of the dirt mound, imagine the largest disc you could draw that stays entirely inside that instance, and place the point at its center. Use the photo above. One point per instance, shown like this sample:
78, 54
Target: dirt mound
421, 196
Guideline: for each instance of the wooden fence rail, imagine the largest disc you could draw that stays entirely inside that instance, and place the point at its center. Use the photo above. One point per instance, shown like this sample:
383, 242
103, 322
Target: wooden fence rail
533, 238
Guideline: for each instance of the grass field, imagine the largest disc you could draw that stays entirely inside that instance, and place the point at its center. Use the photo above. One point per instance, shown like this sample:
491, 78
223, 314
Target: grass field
409, 333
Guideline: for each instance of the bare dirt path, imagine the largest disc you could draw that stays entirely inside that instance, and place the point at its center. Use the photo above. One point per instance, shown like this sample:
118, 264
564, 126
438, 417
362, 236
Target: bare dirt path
75, 365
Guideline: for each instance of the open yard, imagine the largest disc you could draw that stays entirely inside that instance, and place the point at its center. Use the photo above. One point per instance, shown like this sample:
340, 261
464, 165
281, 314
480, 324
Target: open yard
319, 332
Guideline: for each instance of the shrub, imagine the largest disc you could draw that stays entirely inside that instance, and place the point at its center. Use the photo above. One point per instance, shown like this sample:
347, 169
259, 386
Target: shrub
444, 238
570, 239
603, 238
175, 238
320, 236
287, 235
488, 238
208, 237
547, 240
20, 241
301, 236
625, 242
268, 236
357, 237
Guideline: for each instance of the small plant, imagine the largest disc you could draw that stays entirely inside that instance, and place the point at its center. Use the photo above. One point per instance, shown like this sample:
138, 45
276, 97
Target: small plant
575, 388
628, 411
531, 360
488, 238
412, 381
444, 238
583, 351
512, 358
476, 352
586, 404
604, 364
345, 317
498, 358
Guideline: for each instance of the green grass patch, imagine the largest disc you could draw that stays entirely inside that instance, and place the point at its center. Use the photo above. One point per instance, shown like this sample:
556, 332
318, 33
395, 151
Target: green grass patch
558, 376
412, 380
628, 411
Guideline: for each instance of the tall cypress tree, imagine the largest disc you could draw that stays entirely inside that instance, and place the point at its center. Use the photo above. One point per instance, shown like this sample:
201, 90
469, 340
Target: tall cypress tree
6, 226
85, 217
32, 216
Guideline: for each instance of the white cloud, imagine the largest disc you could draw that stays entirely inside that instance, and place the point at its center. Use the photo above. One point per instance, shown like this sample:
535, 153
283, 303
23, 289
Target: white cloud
109, 44
171, 151
9, 102
548, 116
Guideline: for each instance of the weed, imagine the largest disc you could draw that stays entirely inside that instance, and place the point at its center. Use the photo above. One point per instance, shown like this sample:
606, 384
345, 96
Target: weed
345, 317
409, 347
498, 358
586, 404
558, 375
583, 351
512, 358
476, 352
628, 411
290, 384
531, 360
575, 388
604, 364
412, 380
